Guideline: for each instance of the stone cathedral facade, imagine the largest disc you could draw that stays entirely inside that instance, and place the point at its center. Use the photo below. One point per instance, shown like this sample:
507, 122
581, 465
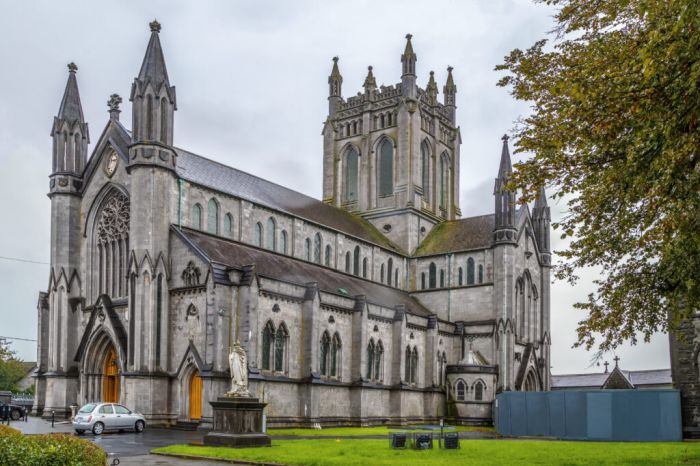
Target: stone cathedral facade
378, 304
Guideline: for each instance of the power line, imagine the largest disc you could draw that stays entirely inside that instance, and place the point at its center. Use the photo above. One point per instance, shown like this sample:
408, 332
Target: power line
16, 259
16, 338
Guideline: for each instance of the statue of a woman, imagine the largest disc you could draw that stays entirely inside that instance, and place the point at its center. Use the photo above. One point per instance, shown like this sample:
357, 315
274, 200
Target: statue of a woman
238, 362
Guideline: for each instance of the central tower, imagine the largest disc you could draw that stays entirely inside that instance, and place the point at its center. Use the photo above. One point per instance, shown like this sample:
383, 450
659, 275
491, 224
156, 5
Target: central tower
391, 153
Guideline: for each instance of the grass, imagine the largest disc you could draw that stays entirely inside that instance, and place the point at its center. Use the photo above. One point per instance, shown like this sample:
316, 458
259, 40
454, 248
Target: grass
335, 452
354, 431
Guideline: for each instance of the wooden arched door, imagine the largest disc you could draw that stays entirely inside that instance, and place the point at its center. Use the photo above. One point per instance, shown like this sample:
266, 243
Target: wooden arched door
195, 396
110, 378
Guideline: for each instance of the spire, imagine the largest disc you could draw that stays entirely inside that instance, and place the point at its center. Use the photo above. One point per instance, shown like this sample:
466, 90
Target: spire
408, 67
370, 83
70, 109
153, 66
335, 85
504, 199
432, 88
541, 219
450, 93
541, 201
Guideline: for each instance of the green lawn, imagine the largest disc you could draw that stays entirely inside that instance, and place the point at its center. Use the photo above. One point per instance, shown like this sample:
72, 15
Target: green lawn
480, 452
378, 430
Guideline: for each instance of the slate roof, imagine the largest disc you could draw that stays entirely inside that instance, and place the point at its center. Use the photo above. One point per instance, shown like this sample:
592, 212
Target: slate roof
637, 378
206, 172
293, 270
459, 235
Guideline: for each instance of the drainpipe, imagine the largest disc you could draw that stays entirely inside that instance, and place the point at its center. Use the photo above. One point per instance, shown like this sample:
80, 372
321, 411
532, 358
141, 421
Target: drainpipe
180, 182
449, 285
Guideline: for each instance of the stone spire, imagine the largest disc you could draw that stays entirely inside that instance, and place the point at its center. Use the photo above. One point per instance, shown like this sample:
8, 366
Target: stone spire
408, 69
450, 92
153, 97
541, 219
504, 199
70, 132
370, 83
432, 89
335, 88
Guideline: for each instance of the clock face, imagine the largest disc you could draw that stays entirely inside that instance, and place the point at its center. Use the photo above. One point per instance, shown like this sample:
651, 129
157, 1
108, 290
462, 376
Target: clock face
111, 165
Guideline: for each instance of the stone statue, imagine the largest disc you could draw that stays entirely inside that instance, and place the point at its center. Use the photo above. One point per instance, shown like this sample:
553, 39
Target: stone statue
238, 362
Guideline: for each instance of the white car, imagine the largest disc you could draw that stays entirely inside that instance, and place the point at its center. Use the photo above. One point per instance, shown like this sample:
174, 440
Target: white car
100, 417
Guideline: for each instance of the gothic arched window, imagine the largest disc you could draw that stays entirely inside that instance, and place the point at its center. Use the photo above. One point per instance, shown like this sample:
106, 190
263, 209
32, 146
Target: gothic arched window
364, 268
381, 274
388, 271
478, 391
197, 217
461, 390
325, 352
370, 359
386, 168
281, 338
481, 273
356, 261
271, 234
407, 364
414, 365
329, 255
335, 355
267, 339
213, 216
460, 278
228, 225
378, 355
348, 262
258, 234
444, 180
163, 120
425, 168
283, 242
351, 163
307, 249
111, 230
470, 271
432, 275
422, 281
396, 277
317, 248
442, 278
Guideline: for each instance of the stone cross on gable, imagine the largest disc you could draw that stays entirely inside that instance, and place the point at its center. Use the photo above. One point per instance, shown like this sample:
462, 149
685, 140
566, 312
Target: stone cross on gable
606, 363
616, 359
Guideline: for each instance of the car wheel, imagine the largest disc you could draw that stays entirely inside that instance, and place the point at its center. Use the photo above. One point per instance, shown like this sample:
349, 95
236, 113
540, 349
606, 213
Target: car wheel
98, 428
15, 415
138, 427
79, 431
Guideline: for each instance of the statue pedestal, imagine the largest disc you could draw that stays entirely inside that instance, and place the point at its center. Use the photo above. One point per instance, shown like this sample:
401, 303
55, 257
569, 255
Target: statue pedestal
238, 422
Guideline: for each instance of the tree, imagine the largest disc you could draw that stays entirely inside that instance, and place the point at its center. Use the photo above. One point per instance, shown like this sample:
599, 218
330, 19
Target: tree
614, 131
11, 368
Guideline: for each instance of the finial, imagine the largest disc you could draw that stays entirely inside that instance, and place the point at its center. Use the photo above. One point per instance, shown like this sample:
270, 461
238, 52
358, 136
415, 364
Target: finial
155, 26
335, 59
409, 36
616, 359
505, 138
449, 69
72, 67
369, 68
432, 73
113, 102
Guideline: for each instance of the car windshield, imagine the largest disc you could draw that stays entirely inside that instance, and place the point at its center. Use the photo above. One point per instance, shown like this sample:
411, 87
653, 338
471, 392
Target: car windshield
87, 408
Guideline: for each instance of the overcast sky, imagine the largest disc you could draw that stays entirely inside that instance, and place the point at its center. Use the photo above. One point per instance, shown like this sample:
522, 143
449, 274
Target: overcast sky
251, 82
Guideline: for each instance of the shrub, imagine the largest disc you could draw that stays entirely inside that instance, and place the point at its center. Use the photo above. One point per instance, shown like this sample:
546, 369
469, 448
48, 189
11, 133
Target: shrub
47, 450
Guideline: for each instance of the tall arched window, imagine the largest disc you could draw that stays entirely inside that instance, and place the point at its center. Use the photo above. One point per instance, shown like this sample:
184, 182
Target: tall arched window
460, 278
386, 168
317, 248
356, 261
329, 255
370, 359
149, 118
267, 339
348, 262
425, 169
271, 234
414, 365
461, 390
442, 278
444, 180
481, 273
307, 249
283, 242
163, 120
281, 337
159, 316
197, 217
213, 216
228, 225
325, 352
470, 271
381, 274
258, 234
364, 268
396, 277
407, 364
351, 162
478, 391
432, 275
422, 281
335, 355
388, 271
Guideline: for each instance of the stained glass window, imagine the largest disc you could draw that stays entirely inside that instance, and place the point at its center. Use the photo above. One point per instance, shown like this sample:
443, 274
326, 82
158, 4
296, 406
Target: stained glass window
351, 162
386, 168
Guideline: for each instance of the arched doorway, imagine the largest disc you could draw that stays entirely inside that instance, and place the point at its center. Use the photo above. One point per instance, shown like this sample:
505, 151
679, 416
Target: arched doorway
195, 396
110, 377
530, 384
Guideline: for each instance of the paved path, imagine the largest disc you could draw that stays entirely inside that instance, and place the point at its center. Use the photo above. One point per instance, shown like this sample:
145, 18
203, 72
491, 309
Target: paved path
157, 460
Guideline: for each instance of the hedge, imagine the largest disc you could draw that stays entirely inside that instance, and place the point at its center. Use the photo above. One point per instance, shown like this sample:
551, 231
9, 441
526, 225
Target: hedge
48, 450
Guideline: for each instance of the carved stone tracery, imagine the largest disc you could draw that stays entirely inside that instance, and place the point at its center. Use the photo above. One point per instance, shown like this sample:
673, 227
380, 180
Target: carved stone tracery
191, 275
113, 222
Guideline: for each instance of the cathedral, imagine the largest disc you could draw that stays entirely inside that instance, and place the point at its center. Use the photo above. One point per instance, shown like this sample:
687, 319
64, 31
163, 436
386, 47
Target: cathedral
377, 304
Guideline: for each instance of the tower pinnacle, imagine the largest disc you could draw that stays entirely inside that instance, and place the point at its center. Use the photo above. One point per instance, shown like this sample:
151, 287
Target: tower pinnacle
450, 92
504, 199
370, 83
335, 84
408, 70
432, 88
